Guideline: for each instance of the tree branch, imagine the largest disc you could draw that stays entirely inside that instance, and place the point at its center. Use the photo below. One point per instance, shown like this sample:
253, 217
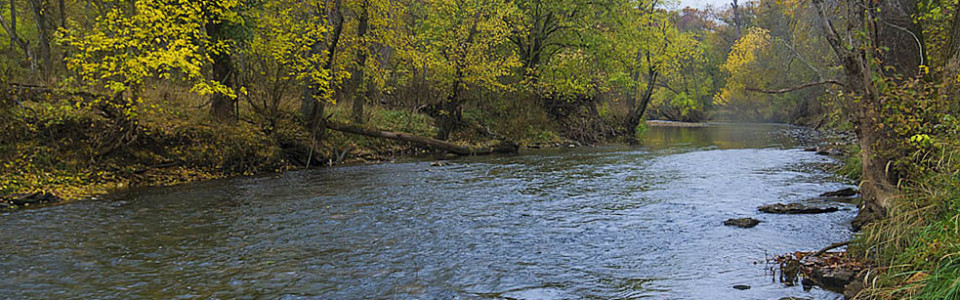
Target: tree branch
831, 247
796, 88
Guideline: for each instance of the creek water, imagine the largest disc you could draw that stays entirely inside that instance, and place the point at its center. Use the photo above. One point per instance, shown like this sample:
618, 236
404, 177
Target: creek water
606, 222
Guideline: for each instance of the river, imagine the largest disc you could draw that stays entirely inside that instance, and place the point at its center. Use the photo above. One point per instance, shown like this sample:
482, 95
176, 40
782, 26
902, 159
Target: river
569, 223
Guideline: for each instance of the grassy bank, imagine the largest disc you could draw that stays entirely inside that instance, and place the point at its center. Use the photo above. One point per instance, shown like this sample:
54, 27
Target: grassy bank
918, 244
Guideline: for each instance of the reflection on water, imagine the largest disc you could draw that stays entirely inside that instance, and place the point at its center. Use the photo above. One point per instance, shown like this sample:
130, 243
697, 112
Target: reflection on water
608, 222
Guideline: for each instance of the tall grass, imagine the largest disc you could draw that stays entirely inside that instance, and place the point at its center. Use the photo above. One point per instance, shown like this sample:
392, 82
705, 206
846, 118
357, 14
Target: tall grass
918, 245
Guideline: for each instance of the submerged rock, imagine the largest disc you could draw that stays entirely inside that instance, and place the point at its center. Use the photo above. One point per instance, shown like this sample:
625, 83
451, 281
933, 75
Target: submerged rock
440, 164
795, 208
741, 287
847, 192
833, 278
742, 222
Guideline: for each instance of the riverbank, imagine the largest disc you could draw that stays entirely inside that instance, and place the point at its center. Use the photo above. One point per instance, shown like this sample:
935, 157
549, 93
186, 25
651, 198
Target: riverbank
913, 252
917, 246
61, 149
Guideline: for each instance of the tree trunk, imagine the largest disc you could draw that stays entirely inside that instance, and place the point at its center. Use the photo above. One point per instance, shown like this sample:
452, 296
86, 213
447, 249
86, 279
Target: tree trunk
636, 113
360, 89
12, 31
501, 147
311, 102
40, 11
736, 18
63, 14
221, 105
450, 113
863, 99
13, 24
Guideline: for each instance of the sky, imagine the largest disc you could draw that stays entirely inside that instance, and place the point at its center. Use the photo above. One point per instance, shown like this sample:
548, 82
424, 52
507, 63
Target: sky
702, 3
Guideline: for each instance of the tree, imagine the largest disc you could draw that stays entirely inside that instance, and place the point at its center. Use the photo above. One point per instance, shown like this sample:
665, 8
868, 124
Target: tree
14, 35
150, 39
378, 24
363, 47
319, 69
660, 48
856, 49
742, 68
463, 42
41, 9
221, 20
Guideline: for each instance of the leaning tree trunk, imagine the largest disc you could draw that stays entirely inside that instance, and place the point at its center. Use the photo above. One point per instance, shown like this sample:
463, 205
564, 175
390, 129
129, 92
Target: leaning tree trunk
864, 100
636, 113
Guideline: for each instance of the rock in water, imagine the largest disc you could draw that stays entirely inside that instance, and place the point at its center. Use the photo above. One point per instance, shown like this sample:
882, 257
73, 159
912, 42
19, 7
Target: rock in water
847, 192
742, 222
829, 151
795, 208
741, 287
19, 200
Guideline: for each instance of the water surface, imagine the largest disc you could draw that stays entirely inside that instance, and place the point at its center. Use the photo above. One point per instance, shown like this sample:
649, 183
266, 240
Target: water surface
600, 223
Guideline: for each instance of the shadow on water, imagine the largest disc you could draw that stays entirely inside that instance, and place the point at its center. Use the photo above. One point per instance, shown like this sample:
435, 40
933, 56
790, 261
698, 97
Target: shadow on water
600, 223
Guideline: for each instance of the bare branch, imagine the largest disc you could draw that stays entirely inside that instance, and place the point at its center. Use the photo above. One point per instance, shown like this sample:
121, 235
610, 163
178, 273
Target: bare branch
796, 88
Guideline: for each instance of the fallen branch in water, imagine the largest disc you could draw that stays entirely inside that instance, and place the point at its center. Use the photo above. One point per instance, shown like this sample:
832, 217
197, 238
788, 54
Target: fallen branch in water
828, 248
500, 147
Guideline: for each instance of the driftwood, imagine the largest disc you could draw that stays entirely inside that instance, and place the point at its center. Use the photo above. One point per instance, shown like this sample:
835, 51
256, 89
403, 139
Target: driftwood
500, 147
831, 247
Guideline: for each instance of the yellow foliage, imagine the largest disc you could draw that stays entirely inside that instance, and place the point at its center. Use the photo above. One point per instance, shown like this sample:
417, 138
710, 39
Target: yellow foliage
153, 39
743, 55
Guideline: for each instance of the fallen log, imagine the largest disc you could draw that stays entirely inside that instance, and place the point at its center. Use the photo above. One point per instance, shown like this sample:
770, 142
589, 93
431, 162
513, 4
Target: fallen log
499, 147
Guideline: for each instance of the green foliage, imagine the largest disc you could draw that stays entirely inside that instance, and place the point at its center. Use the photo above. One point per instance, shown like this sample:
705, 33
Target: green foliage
463, 43
281, 54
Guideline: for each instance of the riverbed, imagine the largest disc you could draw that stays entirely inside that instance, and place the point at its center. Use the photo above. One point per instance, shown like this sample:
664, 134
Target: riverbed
639, 221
